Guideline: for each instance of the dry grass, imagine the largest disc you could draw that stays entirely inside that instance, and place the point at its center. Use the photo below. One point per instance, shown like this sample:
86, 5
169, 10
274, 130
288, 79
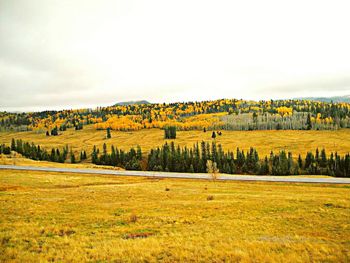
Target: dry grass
75, 218
264, 141
17, 159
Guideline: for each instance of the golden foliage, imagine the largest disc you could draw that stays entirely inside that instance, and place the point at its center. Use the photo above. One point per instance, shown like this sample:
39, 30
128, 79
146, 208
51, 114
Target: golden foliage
160, 115
134, 122
284, 111
123, 123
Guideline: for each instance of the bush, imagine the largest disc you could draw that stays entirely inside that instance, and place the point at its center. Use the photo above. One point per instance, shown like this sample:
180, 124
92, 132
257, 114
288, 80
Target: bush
133, 218
210, 198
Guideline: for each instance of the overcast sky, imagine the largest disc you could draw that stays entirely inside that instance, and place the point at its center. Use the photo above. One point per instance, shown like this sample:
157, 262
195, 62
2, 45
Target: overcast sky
69, 54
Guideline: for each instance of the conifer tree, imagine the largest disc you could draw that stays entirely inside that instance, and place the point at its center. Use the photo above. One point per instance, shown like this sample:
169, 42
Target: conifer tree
108, 133
308, 122
13, 145
72, 157
300, 162
138, 152
323, 161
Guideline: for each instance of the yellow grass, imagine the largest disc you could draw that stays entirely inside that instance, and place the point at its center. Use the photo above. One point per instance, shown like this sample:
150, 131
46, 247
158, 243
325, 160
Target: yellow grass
298, 142
75, 218
17, 159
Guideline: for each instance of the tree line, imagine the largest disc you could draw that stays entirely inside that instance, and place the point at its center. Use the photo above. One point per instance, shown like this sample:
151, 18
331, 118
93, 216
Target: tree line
36, 152
269, 114
130, 160
194, 160
171, 158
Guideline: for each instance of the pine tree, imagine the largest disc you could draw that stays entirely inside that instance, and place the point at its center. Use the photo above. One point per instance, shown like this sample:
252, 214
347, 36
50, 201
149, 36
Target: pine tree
94, 155
323, 161
108, 133
309, 160
72, 157
264, 168
308, 122
317, 156
138, 152
204, 156
280, 165
54, 131
300, 162
113, 157
13, 145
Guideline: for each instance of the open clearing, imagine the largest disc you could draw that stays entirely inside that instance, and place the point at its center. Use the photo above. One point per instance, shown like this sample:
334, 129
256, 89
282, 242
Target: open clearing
298, 142
69, 217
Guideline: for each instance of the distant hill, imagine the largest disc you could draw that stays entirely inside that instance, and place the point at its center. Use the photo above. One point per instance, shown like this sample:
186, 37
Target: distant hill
329, 99
137, 102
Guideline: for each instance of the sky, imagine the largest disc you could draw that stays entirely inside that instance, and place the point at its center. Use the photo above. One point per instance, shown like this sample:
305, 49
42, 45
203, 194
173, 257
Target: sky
73, 54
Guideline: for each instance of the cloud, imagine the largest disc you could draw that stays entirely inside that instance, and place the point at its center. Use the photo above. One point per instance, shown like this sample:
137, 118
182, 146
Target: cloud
339, 84
64, 54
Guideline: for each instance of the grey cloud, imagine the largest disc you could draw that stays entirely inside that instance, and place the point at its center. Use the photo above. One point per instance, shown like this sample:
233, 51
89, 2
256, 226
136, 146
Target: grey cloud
332, 83
43, 63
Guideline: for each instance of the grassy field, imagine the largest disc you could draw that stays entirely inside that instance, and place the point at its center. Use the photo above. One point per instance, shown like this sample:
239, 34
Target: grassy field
298, 142
74, 218
17, 159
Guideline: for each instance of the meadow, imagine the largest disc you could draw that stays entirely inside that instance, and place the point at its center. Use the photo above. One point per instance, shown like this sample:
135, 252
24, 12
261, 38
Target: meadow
296, 141
74, 218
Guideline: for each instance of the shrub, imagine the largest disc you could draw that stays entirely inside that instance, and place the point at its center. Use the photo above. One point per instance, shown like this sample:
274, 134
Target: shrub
210, 197
133, 218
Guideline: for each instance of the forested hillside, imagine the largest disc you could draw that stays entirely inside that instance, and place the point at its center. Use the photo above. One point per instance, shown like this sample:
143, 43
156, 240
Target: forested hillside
227, 114
329, 99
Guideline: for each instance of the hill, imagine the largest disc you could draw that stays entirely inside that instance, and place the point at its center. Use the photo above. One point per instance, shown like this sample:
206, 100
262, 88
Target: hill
329, 99
136, 102
223, 114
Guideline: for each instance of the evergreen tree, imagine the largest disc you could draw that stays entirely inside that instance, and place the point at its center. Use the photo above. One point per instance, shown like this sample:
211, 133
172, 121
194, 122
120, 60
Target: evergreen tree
53, 155
94, 156
300, 162
317, 156
264, 168
54, 131
138, 152
108, 133
323, 161
308, 122
113, 157
13, 145
72, 157
280, 165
